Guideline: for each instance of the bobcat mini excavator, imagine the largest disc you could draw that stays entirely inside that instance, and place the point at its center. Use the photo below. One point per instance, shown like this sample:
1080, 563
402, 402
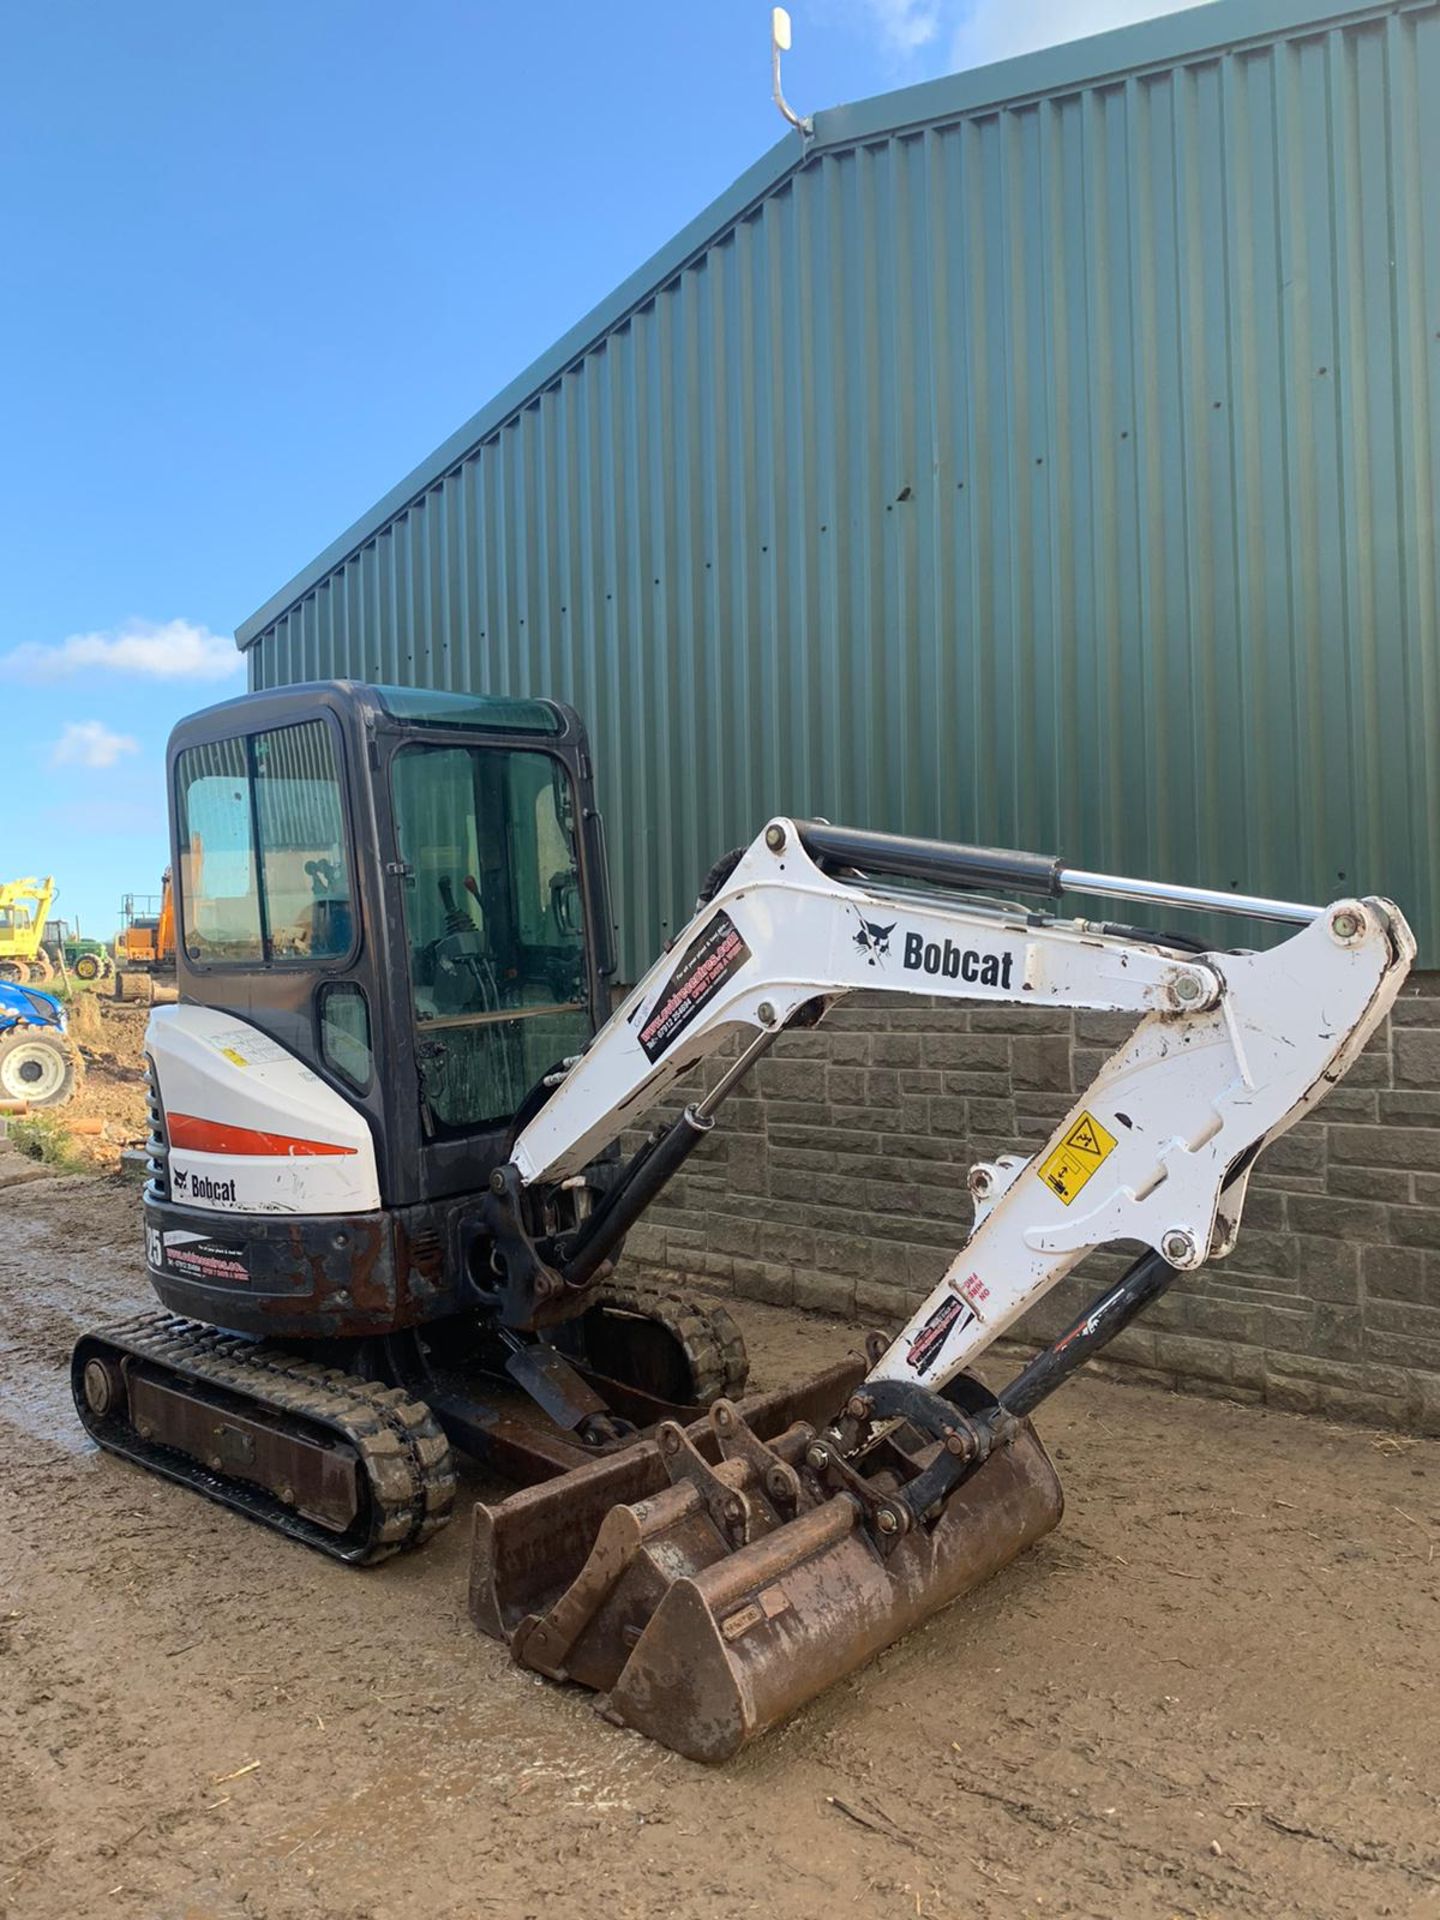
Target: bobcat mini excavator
387, 1195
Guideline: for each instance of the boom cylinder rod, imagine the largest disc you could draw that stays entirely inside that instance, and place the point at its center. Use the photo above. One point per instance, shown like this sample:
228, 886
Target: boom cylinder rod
1202, 899
737, 1070
945, 864
652, 1168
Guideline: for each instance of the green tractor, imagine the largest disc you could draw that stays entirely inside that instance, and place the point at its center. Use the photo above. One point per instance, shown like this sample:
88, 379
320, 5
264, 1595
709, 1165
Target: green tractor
74, 952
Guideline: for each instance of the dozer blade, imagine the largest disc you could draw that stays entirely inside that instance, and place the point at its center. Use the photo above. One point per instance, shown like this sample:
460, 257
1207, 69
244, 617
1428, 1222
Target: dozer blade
708, 1585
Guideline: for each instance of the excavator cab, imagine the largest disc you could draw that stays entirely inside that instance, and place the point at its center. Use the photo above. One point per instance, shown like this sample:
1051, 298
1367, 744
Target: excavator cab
402, 895
405, 891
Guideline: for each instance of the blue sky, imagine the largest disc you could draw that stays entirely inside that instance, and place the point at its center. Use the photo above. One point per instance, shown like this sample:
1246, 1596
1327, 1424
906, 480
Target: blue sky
257, 260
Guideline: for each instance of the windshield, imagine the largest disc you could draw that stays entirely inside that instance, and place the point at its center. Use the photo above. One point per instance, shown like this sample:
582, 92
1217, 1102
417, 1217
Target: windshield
262, 866
494, 927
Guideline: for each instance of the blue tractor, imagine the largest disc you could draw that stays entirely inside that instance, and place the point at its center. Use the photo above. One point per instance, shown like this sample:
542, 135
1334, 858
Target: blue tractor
37, 1062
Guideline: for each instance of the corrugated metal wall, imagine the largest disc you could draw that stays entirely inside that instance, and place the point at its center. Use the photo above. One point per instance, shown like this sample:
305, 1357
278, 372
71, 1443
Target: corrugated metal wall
1059, 473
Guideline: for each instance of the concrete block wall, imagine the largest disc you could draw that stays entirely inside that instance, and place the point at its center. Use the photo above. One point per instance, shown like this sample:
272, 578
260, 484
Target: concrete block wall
836, 1180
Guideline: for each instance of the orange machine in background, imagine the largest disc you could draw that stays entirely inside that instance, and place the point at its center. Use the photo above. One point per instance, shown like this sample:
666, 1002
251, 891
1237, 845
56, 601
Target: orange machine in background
145, 944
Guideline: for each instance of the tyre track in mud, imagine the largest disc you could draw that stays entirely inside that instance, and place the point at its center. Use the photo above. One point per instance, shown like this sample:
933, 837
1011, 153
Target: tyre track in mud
47, 1297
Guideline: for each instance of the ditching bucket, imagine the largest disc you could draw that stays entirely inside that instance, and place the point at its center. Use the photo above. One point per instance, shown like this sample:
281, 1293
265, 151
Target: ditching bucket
706, 1582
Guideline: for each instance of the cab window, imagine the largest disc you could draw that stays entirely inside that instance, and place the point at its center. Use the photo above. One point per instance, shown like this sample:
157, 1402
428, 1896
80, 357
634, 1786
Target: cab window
494, 927
345, 1032
263, 869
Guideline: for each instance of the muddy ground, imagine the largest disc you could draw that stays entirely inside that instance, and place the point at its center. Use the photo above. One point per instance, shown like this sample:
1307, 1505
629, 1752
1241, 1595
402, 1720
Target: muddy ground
1212, 1692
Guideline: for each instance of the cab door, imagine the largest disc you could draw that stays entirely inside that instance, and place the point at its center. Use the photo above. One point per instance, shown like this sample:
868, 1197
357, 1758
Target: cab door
498, 985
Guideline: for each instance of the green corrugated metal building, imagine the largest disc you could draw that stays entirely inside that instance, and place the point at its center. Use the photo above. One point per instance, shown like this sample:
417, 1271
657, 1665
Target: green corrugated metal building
1046, 455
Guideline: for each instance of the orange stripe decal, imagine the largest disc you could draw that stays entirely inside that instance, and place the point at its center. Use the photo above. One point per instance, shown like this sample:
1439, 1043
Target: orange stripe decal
215, 1136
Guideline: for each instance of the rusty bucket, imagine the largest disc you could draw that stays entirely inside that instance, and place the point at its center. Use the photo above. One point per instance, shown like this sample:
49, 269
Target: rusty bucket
707, 1583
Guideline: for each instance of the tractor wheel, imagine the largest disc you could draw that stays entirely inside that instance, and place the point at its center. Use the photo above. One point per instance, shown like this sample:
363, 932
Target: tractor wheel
41, 971
36, 1066
15, 970
88, 966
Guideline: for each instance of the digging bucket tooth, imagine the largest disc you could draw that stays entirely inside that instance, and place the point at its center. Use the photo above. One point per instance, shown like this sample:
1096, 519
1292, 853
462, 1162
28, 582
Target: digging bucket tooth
704, 1608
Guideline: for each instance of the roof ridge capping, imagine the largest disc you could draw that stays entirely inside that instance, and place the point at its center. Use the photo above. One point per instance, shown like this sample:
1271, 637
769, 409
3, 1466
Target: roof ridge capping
1194, 33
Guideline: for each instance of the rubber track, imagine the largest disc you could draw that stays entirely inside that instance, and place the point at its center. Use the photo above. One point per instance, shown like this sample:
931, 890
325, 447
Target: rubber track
708, 1336
404, 1455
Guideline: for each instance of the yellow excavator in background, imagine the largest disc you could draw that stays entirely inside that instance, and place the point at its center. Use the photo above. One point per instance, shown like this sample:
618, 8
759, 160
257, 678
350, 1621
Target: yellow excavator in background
24, 906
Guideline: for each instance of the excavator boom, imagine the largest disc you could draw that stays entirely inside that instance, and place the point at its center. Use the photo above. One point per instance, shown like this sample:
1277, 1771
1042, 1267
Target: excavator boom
1229, 1050
728, 1576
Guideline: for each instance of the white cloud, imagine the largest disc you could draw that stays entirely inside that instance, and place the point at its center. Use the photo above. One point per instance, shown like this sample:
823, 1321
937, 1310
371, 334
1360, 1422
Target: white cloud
999, 29
90, 743
154, 649
939, 36
906, 25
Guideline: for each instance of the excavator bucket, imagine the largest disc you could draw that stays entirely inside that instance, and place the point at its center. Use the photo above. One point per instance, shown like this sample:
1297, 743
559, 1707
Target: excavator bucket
708, 1582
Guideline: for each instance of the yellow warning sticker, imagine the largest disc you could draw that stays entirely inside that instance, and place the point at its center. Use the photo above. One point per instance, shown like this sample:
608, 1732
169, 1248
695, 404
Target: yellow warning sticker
1078, 1155
238, 1058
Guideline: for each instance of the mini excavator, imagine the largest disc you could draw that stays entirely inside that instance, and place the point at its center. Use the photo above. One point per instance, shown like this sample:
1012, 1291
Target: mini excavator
397, 1141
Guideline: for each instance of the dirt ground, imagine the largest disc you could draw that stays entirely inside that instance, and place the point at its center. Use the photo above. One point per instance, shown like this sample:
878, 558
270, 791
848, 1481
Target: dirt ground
1211, 1692
107, 1110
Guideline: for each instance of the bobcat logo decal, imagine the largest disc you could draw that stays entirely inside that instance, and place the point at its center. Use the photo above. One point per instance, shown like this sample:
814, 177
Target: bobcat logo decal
872, 940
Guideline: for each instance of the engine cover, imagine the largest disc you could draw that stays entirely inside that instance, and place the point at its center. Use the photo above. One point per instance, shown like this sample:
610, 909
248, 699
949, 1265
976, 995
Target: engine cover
251, 1129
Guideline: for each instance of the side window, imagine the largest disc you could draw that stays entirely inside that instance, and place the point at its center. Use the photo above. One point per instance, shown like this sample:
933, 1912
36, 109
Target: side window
263, 869
303, 874
217, 854
494, 923
345, 1033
